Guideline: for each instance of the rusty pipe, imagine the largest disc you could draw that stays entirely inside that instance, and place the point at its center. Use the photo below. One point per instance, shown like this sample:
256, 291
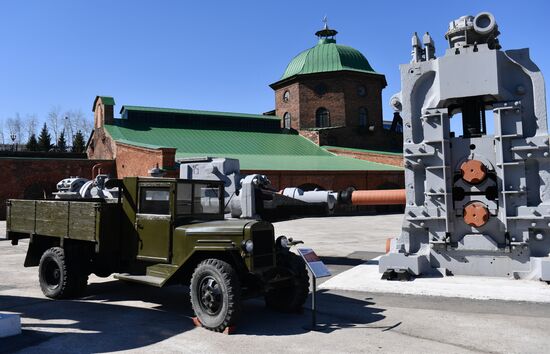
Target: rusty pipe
98, 171
378, 197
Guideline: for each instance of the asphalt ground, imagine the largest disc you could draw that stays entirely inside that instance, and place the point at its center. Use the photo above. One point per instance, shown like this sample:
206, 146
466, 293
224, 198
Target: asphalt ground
116, 316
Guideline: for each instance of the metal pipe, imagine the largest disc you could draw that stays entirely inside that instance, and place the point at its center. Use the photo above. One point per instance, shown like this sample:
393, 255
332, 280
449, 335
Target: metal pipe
378, 197
97, 165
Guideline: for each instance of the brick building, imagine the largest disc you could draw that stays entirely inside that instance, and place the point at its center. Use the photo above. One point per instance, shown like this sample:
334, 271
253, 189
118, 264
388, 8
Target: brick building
328, 95
331, 95
145, 137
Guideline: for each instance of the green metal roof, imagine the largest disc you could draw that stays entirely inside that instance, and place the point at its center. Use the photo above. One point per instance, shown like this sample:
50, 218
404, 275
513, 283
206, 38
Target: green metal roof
363, 150
255, 150
108, 100
327, 56
197, 112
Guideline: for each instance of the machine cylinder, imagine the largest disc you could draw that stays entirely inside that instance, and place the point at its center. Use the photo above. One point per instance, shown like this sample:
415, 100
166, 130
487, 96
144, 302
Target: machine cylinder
379, 197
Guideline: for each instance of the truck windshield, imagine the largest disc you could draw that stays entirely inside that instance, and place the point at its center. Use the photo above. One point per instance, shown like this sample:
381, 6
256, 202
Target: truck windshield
198, 199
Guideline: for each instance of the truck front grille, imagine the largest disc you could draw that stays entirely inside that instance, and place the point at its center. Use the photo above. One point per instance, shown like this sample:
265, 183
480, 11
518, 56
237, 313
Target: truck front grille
263, 248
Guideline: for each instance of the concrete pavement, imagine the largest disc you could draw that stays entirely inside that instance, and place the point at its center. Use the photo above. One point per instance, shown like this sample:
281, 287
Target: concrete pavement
116, 316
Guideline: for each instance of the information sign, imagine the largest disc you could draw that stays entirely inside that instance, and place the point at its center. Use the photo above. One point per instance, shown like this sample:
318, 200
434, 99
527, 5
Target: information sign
314, 263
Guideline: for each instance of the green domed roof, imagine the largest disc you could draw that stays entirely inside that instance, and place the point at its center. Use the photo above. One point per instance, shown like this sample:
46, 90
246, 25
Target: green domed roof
327, 56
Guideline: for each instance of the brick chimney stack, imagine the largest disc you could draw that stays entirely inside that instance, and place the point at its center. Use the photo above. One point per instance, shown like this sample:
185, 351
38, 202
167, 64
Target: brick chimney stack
103, 111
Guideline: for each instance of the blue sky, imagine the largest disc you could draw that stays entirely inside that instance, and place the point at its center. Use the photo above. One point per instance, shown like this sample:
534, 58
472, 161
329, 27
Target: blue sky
214, 55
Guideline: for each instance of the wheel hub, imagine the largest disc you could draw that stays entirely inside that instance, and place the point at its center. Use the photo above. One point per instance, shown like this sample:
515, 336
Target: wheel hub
210, 295
52, 274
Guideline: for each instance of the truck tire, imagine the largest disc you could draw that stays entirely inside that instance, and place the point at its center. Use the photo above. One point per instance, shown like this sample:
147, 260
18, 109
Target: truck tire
215, 294
60, 277
291, 298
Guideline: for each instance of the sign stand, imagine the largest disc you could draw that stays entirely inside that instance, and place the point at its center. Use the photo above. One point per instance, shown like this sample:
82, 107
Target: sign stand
313, 304
318, 270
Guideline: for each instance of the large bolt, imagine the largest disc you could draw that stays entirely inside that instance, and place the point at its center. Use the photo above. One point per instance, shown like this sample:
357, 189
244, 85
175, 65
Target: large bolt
473, 171
476, 214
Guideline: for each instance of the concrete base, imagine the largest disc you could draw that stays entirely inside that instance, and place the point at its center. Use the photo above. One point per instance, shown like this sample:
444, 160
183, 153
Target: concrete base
10, 325
366, 277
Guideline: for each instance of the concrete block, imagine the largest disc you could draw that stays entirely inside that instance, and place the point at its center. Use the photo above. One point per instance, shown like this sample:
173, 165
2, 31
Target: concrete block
10, 325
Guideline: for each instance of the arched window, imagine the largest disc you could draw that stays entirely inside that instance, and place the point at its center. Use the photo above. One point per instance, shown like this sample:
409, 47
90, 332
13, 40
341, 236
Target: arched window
287, 120
286, 96
322, 118
363, 119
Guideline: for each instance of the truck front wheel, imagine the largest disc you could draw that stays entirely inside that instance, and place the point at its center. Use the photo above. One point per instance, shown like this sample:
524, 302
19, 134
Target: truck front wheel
215, 294
292, 297
59, 277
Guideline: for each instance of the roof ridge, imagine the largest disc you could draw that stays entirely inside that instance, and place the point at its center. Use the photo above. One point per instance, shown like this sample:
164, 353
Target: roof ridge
196, 111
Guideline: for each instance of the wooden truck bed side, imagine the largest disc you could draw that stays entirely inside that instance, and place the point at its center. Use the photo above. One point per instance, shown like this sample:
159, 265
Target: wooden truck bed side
77, 220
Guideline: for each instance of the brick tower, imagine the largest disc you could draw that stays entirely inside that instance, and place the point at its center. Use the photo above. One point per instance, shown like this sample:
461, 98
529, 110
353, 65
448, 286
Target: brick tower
331, 95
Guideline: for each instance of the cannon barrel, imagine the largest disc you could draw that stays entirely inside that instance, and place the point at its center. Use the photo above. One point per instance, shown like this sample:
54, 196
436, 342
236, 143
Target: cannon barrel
374, 197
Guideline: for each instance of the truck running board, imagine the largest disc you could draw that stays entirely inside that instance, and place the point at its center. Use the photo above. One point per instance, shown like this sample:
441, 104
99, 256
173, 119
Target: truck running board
142, 279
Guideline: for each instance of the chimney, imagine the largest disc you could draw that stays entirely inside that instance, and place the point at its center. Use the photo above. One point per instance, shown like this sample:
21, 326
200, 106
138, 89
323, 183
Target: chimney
103, 111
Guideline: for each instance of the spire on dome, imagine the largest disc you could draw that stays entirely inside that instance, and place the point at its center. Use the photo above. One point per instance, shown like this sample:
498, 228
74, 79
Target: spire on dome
326, 32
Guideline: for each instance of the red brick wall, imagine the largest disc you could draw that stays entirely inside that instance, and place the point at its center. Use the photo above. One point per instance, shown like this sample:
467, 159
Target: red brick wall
334, 180
341, 98
137, 161
101, 146
32, 177
394, 160
333, 100
343, 102
372, 100
292, 106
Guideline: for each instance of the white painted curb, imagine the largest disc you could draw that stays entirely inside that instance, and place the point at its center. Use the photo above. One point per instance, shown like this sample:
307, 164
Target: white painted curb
366, 277
10, 325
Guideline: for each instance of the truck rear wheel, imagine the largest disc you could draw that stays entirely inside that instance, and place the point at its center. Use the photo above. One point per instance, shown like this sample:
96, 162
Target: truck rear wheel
215, 294
290, 298
59, 276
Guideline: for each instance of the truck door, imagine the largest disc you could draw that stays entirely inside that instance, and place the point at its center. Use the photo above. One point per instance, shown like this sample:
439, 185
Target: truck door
154, 222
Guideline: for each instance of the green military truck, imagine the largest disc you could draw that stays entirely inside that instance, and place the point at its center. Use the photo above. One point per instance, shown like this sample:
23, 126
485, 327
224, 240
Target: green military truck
160, 231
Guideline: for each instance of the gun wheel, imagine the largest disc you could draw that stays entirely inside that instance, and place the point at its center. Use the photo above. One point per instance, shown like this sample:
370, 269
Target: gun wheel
215, 294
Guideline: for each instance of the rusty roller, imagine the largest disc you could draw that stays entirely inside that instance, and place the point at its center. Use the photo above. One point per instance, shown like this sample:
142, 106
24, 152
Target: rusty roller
476, 214
378, 197
473, 171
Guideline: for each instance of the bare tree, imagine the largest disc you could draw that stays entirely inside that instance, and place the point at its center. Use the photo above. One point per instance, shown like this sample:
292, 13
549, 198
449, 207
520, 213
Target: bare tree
15, 129
18, 127
31, 123
54, 121
76, 120
2, 139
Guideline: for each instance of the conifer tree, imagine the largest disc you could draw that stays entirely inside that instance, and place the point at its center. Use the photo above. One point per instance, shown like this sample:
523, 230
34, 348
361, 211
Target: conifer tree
61, 142
44, 139
32, 144
78, 142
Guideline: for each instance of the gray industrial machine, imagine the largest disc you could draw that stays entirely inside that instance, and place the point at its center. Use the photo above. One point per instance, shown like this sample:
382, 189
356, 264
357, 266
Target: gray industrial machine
82, 188
478, 203
246, 197
252, 196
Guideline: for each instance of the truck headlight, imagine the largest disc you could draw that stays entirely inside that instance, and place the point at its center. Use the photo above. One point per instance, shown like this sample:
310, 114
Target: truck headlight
282, 242
248, 246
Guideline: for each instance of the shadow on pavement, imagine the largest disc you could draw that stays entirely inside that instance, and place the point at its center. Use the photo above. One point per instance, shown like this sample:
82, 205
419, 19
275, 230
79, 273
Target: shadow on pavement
334, 312
106, 320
